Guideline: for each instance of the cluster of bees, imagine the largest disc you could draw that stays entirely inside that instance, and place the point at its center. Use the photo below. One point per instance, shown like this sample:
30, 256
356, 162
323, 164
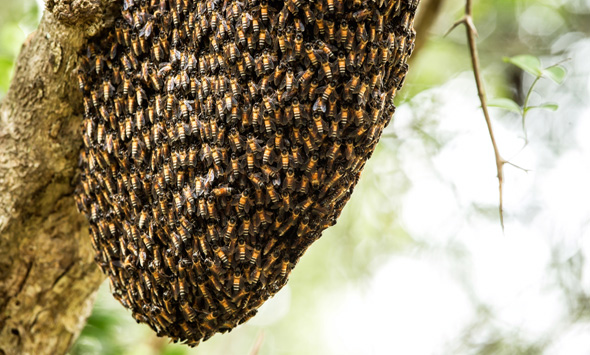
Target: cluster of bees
222, 137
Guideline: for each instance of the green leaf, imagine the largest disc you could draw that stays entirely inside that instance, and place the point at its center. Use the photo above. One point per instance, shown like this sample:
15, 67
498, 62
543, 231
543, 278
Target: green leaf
555, 73
505, 103
551, 106
528, 63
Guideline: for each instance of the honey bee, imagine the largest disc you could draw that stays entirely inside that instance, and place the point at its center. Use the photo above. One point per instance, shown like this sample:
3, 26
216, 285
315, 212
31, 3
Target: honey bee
204, 292
264, 11
285, 159
331, 32
269, 125
309, 145
284, 267
212, 233
202, 242
312, 88
228, 307
272, 193
255, 253
303, 185
363, 90
237, 280
372, 59
156, 272
271, 260
189, 312
315, 178
312, 163
246, 227
298, 45
234, 170
311, 55
235, 140
220, 254
255, 275
256, 180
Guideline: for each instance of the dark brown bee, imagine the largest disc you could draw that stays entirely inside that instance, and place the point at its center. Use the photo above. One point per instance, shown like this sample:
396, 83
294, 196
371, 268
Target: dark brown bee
220, 254
189, 312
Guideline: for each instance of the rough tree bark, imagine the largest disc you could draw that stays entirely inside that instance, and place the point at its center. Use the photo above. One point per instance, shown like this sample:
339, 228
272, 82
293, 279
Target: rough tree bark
47, 275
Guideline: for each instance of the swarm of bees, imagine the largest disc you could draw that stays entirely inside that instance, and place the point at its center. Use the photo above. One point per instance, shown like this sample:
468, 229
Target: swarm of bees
221, 138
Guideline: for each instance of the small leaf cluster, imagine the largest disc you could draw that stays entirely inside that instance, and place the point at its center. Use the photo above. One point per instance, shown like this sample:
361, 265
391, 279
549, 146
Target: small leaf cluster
531, 65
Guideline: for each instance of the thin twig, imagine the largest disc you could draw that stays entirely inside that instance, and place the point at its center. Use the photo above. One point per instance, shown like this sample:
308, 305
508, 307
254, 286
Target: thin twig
467, 20
525, 108
257, 344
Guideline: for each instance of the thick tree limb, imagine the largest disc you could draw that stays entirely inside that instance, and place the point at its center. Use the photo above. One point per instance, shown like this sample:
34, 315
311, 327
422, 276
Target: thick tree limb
47, 275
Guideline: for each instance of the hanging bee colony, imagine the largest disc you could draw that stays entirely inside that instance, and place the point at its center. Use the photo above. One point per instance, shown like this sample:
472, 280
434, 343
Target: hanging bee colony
221, 138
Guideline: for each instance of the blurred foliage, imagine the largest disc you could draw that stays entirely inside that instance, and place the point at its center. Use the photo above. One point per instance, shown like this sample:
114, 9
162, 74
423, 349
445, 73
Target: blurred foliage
376, 225
17, 20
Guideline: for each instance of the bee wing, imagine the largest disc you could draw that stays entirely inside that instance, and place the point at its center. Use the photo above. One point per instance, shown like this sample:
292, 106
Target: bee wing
362, 99
271, 160
256, 220
209, 179
290, 57
127, 4
319, 105
170, 84
276, 181
229, 103
109, 142
292, 7
113, 51
321, 72
188, 104
299, 26
146, 31
334, 68
205, 154
280, 79
164, 68
359, 60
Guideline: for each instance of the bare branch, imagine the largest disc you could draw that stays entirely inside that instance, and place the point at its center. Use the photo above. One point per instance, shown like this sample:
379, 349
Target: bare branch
467, 20
257, 344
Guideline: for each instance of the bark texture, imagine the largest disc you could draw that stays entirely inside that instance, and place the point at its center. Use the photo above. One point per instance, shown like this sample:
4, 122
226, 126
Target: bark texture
47, 275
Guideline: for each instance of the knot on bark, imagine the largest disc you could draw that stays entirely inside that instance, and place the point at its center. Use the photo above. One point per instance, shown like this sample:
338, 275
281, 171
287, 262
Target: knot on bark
74, 12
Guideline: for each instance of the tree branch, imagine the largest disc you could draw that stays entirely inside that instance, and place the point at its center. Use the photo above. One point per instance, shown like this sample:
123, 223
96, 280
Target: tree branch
467, 20
47, 275
426, 16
